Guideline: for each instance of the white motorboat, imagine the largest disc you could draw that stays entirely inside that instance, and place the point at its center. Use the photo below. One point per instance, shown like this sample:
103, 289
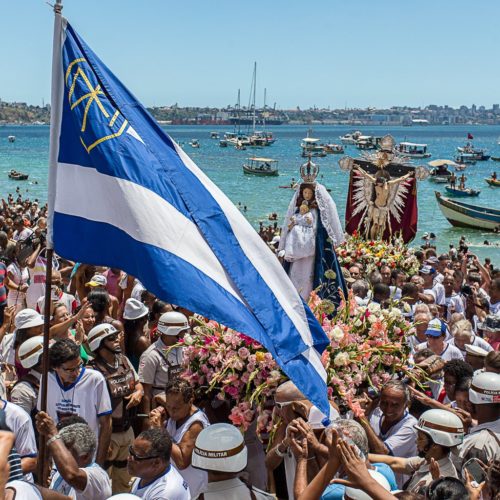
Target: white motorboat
350, 138
413, 150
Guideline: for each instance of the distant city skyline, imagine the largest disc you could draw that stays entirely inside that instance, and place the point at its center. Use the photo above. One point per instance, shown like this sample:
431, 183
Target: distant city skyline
330, 54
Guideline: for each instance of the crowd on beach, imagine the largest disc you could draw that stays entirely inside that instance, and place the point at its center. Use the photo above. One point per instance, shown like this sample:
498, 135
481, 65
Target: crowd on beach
121, 420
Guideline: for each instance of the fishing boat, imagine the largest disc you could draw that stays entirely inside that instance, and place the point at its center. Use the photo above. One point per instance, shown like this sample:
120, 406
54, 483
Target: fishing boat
223, 143
440, 174
214, 135
311, 147
334, 149
18, 176
475, 153
351, 138
461, 193
413, 150
466, 158
367, 142
462, 214
265, 167
194, 143
11, 138
493, 182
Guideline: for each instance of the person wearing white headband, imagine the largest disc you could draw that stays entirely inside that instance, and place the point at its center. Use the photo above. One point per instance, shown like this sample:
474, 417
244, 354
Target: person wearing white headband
483, 440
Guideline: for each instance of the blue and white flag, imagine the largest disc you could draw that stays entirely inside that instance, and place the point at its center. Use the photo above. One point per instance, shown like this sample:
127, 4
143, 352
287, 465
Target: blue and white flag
122, 193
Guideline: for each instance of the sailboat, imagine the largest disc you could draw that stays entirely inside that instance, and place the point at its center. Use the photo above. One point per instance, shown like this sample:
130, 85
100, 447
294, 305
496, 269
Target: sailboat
235, 138
258, 138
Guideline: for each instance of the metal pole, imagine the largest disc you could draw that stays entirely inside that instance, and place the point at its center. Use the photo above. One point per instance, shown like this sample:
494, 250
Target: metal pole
49, 254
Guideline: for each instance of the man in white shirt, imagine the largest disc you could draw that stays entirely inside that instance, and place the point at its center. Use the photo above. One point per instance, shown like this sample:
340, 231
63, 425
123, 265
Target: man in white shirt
73, 449
149, 462
436, 338
483, 440
495, 297
76, 390
390, 428
21, 232
19, 422
430, 288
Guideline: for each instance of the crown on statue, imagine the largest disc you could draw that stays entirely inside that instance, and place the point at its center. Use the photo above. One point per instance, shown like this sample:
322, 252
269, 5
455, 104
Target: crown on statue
309, 171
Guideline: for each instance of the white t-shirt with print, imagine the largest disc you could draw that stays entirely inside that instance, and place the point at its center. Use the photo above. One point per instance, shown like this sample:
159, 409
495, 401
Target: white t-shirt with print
171, 485
98, 485
87, 397
20, 424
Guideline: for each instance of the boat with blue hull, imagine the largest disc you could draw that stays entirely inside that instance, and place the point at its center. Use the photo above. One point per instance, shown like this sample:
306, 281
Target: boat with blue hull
461, 193
460, 214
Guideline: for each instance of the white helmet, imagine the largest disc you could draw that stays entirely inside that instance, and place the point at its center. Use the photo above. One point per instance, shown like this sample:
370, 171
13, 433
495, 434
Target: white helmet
172, 323
485, 388
355, 494
220, 447
123, 496
30, 351
443, 427
98, 333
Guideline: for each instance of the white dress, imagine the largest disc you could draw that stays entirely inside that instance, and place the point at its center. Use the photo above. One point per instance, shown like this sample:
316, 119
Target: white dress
300, 248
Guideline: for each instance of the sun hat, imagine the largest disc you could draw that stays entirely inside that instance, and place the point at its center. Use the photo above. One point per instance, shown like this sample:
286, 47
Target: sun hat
27, 318
475, 350
220, 447
97, 280
490, 324
134, 309
355, 494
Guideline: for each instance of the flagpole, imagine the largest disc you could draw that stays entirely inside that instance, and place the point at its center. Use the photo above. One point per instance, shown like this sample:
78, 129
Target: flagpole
54, 114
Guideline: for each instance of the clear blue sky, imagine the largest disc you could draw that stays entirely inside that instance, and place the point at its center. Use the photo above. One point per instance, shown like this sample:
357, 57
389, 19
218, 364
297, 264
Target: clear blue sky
326, 52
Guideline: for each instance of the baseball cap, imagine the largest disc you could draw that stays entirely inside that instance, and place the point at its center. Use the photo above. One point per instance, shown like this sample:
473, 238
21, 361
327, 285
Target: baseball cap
97, 280
434, 328
427, 270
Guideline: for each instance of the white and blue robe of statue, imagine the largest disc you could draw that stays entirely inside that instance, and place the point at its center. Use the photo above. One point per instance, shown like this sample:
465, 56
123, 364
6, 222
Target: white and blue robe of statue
309, 249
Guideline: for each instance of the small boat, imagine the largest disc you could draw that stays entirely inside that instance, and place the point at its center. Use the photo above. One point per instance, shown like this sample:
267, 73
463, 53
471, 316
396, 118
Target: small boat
368, 142
18, 176
413, 150
261, 166
223, 143
214, 135
311, 147
495, 158
462, 214
334, 149
493, 182
460, 168
194, 143
351, 138
440, 174
461, 192
11, 138
475, 153
466, 158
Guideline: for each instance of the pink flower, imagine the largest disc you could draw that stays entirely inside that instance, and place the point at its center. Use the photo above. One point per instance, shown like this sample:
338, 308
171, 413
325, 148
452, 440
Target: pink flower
243, 352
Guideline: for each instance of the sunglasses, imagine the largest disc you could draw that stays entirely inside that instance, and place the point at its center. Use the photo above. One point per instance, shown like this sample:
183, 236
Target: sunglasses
112, 337
138, 458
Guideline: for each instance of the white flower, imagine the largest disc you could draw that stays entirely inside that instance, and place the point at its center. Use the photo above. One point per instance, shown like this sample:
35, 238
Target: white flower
373, 307
358, 322
188, 339
395, 313
341, 359
337, 334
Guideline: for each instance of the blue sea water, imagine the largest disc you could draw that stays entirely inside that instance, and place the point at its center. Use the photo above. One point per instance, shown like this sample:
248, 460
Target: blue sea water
262, 195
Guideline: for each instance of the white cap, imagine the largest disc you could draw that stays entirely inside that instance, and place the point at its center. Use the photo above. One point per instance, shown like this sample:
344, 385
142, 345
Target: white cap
134, 309
28, 318
474, 350
30, 351
97, 280
98, 334
443, 427
485, 388
172, 323
123, 496
220, 447
354, 494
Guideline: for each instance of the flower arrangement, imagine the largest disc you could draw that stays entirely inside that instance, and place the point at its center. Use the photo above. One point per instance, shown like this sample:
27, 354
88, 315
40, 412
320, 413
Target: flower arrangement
231, 366
367, 347
373, 255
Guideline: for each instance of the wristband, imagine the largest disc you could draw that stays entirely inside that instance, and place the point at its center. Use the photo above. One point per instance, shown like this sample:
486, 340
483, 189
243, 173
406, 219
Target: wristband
53, 438
278, 452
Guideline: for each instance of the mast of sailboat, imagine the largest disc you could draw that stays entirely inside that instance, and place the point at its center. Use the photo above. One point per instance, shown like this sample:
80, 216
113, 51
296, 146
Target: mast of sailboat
264, 114
238, 112
254, 81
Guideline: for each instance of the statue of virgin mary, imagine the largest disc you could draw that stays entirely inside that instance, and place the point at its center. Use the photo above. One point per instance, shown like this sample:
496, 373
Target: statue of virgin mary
309, 236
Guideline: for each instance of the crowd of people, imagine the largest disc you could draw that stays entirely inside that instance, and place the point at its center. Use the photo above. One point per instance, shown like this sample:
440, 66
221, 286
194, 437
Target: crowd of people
121, 420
